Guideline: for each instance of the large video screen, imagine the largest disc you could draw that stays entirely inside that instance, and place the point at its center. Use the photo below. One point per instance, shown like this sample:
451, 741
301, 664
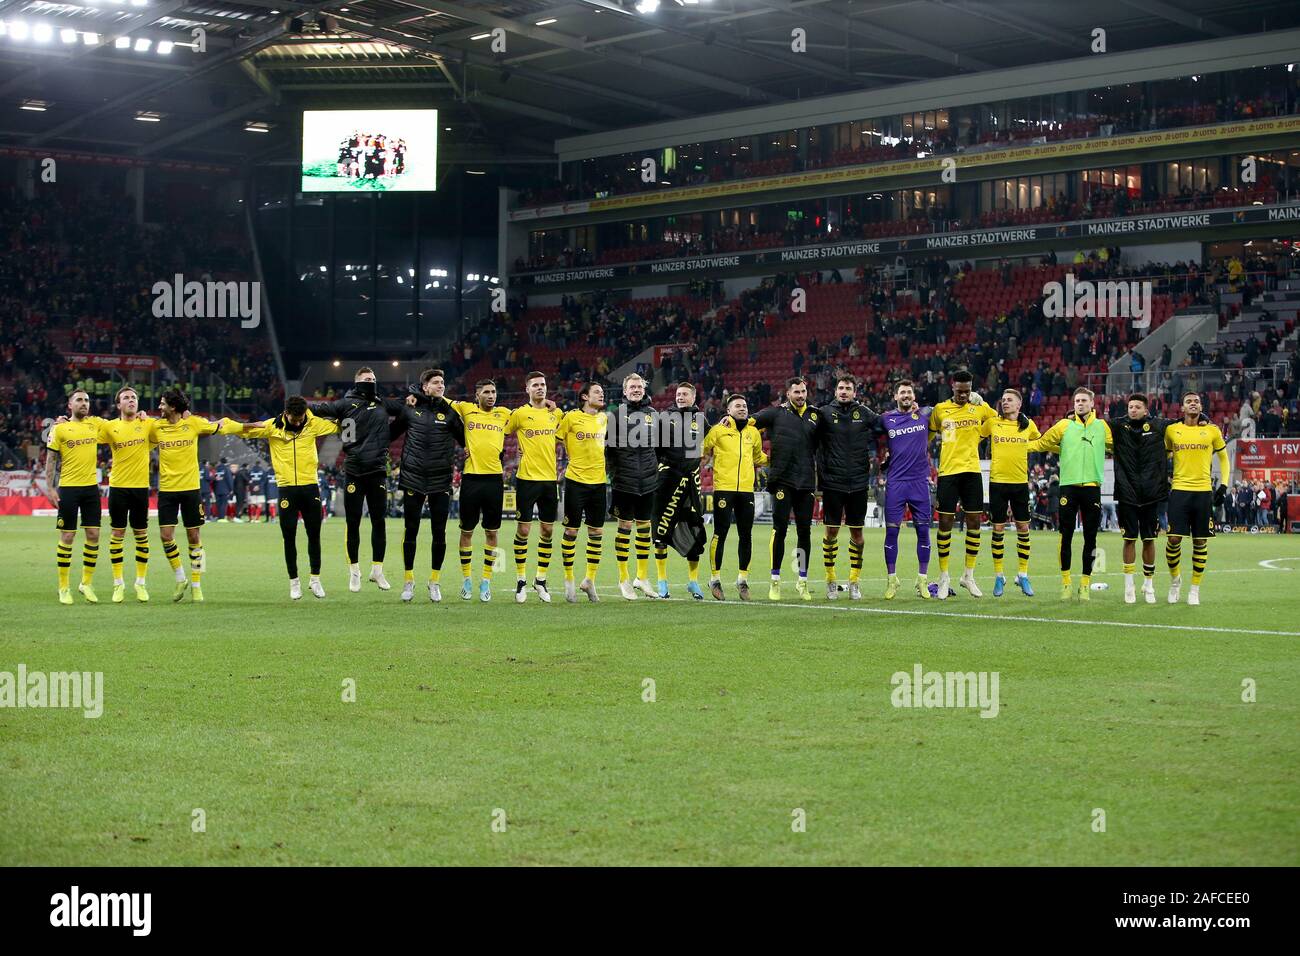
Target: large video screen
390, 150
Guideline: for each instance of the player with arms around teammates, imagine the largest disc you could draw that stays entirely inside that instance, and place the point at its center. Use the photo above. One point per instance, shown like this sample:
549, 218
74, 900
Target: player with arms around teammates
1009, 434
1193, 444
536, 483
958, 422
736, 449
791, 480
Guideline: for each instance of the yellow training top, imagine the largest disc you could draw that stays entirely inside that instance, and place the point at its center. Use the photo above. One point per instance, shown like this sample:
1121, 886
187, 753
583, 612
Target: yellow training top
736, 453
293, 453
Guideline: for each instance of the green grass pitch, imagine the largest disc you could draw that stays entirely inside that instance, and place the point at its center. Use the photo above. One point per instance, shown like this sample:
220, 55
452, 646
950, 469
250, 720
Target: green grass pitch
234, 707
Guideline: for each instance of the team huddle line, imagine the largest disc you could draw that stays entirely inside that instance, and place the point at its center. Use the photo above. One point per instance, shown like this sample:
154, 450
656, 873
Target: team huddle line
650, 460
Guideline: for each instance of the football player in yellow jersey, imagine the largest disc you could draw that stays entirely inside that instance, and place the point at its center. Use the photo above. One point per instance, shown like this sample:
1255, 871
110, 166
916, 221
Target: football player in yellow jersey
957, 422
583, 432
177, 435
291, 437
1009, 436
535, 482
72, 484
482, 485
736, 448
128, 489
1193, 446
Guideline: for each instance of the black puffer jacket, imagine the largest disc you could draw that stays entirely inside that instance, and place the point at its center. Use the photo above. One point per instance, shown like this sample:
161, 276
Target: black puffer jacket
630, 457
1141, 473
846, 438
432, 430
682, 431
369, 414
793, 437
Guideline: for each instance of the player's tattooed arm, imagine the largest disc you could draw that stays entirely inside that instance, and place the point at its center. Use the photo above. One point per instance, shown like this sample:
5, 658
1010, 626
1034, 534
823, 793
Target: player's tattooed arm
52, 462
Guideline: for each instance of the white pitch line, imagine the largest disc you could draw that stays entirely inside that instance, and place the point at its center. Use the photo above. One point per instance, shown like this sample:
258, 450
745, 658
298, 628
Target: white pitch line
1268, 564
1010, 617
974, 616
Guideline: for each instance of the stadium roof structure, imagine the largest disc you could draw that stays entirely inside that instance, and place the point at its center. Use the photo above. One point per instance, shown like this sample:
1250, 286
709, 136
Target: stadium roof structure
77, 75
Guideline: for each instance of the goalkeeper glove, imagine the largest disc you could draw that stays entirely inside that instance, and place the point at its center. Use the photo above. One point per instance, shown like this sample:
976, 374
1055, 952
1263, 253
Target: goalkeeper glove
1024, 421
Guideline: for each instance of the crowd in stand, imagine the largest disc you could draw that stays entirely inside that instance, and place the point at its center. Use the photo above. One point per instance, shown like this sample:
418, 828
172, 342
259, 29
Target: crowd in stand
615, 177
76, 275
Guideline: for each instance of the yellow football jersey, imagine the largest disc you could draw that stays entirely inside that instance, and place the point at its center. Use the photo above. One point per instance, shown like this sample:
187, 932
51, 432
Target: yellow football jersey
76, 442
959, 431
130, 444
1010, 449
485, 437
536, 430
1193, 448
178, 451
584, 439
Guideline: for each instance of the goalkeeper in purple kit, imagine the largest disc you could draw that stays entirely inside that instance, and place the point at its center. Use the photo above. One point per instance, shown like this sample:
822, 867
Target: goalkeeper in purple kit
906, 430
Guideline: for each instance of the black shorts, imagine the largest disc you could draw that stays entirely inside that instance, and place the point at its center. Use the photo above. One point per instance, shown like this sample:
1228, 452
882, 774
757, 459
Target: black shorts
541, 495
966, 488
583, 500
633, 507
186, 502
845, 508
1139, 521
128, 505
1008, 494
480, 498
1190, 512
79, 501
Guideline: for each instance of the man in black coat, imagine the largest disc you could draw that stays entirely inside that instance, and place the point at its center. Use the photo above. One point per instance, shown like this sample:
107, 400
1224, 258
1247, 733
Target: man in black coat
679, 507
633, 468
791, 478
363, 419
846, 437
432, 429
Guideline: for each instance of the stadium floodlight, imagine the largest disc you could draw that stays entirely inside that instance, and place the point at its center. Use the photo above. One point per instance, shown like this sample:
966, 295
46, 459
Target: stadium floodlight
138, 3
42, 33
122, 43
165, 47
257, 126
647, 6
394, 364
67, 35
148, 116
142, 44
33, 106
481, 36
547, 22
476, 172
4, 28
19, 30
336, 363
